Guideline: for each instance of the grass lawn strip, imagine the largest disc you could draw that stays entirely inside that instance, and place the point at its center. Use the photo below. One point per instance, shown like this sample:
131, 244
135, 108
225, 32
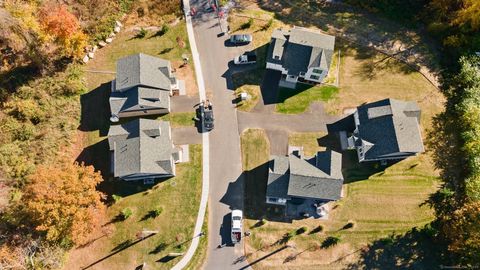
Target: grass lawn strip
179, 199
293, 101
386, 201
183, 119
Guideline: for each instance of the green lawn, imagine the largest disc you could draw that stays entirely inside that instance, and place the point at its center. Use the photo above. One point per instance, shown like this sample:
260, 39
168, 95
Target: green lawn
378, 200
308, 140
183, 119
179, 198
292, 101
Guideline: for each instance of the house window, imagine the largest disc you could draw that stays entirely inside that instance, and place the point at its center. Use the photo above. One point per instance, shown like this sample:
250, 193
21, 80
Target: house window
317, 71
276, 57
314, 77
302, 74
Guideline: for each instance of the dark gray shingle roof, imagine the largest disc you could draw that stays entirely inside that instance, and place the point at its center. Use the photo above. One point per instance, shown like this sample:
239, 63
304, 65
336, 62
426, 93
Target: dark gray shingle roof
295, 177
389, 126
141, 146
138, 98
278, 175
300, 49
143, 70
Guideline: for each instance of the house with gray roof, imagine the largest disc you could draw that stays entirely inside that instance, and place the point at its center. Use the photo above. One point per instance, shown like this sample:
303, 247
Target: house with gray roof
301, 54
141, 149
385, 130
143, 86
293, 177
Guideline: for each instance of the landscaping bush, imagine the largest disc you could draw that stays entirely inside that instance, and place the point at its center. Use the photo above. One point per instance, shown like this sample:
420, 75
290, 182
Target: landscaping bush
247, 25
116, 198
317, 229
301, 230
163, 30
157, 211
268, 25
330, 241
142, 33
126, 213
349, 225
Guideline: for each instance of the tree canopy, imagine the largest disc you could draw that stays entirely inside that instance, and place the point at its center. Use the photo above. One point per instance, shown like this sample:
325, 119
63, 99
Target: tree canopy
63, 202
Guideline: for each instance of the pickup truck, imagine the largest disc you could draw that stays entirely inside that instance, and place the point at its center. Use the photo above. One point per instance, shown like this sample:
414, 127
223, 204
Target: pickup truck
206, 115
236, 226
245, 59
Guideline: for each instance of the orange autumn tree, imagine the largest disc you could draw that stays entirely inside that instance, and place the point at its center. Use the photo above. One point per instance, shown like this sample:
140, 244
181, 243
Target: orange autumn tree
64, 27
63, 202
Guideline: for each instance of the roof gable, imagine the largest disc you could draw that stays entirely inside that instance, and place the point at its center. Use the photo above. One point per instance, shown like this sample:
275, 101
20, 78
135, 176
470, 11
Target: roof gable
141, 146
143, 70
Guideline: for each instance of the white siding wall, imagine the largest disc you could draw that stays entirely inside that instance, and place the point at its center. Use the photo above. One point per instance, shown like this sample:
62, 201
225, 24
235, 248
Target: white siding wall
276, 67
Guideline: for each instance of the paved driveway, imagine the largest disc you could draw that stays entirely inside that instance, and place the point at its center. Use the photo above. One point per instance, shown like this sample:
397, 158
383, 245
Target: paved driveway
278, 125
226, 181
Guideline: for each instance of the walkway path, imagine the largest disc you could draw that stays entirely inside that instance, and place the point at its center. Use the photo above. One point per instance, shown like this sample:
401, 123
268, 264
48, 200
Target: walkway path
205, 149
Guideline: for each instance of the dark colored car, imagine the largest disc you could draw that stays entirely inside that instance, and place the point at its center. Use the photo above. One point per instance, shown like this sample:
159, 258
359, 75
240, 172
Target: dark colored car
206, 117
241, 39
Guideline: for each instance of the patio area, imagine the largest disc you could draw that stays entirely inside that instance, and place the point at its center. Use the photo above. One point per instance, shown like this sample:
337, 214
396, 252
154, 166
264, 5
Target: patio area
305, 208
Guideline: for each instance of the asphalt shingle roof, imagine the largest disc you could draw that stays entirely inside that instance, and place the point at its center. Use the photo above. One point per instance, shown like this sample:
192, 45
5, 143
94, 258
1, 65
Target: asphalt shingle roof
141, 146
300, 49
138, 98
389, 126
143, 70
296, 177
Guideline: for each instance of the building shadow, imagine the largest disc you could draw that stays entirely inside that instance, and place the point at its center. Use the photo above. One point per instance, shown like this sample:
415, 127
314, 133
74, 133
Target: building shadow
95, 110
98, 156
251, 74
255, 204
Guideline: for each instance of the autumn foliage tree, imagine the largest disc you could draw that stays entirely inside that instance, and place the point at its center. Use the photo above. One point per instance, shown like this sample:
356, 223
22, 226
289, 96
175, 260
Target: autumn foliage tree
63, 202
64, 27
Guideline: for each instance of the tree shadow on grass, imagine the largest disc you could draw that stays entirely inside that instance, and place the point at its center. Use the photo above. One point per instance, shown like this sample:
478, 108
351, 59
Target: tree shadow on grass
413, 250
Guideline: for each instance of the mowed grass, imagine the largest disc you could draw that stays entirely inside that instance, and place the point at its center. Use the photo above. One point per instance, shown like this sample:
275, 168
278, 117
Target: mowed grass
255, 148
378, 200
180, 119
367, 76
178, 197
293, 101
308, 140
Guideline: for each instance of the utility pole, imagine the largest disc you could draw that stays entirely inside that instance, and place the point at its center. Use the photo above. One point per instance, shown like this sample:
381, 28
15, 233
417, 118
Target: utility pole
218, 15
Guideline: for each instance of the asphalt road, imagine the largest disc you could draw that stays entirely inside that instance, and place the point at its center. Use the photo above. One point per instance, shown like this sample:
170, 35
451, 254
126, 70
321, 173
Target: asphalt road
226, 183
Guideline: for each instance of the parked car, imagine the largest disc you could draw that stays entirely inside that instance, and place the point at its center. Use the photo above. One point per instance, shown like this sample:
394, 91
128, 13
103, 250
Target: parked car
206, 115
247, 58
240, 39
237, 216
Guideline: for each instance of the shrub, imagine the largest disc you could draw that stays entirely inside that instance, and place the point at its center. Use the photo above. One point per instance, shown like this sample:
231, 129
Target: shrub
268, 25
116, 198
247, 25
142, 33
157, 211
349, 225
317, 229
126, 213
330, 241
165, 28
301, 230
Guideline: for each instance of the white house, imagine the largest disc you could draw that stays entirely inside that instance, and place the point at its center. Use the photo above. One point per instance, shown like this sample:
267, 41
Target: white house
301, 54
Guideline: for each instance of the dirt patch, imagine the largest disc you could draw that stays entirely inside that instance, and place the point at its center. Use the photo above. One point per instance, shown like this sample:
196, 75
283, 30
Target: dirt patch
186, 73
